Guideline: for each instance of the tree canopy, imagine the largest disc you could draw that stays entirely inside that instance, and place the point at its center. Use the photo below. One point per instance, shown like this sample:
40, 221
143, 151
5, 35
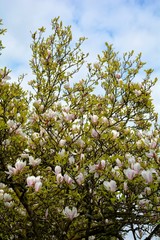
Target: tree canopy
79, 158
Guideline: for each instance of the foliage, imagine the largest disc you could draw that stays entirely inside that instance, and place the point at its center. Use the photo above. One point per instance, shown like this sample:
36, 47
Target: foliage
78, 159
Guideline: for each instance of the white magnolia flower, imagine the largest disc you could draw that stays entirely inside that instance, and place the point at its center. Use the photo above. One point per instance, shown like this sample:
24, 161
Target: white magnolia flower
147, 175
34, 162
115, 134
62, 142
7, 197
1, 194
9, 204
57, 170
70, 213
110, 186
71, 160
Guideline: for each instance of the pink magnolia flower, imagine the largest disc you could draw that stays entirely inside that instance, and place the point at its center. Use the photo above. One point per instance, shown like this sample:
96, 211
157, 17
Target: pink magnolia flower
136, 167
147, 175
68, 179
105, 120
118, 75
70, 213
11, 171
125, 186
34, 162
31, 181
118, 162
150, 154
80, 178
153, 144
35, 182
80, 142
19, 166
69, 116
110, 186
130, 173
101, 165
94, 133
37, 185
94, 119
59, 178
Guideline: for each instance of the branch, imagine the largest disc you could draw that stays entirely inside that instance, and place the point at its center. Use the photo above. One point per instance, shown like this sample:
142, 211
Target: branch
154, 232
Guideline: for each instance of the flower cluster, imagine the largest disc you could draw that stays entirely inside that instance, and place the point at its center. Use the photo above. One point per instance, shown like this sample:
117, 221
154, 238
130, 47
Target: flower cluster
34, 182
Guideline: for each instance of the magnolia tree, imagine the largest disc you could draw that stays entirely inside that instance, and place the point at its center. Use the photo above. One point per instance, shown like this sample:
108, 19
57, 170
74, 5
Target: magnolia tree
79, 159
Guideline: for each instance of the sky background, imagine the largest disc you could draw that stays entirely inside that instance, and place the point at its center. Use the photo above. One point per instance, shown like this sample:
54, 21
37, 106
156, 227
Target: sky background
127, 24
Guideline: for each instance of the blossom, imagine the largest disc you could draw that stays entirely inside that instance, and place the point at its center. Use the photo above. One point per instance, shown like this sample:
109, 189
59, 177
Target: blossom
137, 92
136, 167
80, 178
80, 142
94, 133
70, 213
118, 162
68, 179
94, 119
59, 178
110, 186
104, 120
69, 116
35, 182
9, 204
118, 75
19, 166
11, 171
31, 181
7, 197
1, 194
150, 154
130, 173
38, 185
147, 175
125, 186
62, 142
101, 165
2, 185
57, 170
34, 162
71, 160
115, 134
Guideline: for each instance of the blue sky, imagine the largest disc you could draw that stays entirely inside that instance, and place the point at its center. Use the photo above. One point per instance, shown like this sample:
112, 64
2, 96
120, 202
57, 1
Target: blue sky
127, 24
